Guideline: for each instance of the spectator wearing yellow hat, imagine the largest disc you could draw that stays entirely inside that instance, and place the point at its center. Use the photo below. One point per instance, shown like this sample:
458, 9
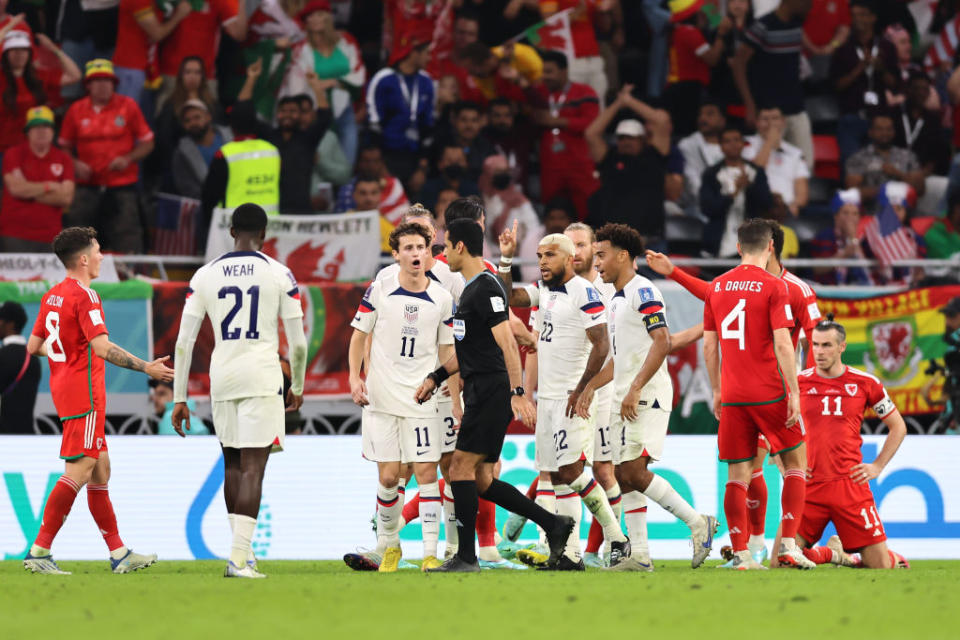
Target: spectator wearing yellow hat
108, 137
37, 187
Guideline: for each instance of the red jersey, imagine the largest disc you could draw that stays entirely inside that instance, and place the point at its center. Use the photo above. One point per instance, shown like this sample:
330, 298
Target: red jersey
823, 20
803, 303
132, 41
832, 411
29, 219
686, 46
12, 120
581, 28
197, 35
578, 105
71, 315
100, 135
744, 306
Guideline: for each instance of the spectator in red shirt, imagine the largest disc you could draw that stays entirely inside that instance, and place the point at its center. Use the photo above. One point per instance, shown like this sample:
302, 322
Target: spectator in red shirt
565, 164
466, 31
199, 35
108, 137
827, 26
139, 29
587, 66
37, 187
22, 85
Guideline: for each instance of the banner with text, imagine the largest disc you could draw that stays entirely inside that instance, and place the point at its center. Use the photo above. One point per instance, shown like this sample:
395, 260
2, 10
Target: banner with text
19, 267
340, 247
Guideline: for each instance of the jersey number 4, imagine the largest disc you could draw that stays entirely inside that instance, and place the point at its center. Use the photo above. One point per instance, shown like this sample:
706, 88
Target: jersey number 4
732, 327
234, 334
53, 339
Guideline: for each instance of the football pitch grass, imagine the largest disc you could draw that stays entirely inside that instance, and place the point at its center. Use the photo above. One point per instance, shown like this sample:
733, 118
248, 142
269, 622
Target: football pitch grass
327, 600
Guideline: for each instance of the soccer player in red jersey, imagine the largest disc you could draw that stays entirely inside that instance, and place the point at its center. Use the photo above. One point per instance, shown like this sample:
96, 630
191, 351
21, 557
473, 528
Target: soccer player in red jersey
806, 314
71, 332
833, 398
747, 320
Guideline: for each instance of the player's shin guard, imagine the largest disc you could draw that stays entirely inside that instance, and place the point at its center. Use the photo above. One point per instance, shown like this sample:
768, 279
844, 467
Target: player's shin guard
635, 517
56, 510
596, 500
429, 506
735, 508
389, 509
449, 517
466, 505
757, 502
568, 504
794, 494
660, 491
243, 529
98, 500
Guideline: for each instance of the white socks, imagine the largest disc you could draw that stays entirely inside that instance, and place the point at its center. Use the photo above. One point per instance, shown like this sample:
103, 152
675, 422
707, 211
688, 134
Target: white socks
389, 509
243, 527
449, 519
660, 491
756, 542
232, 519
568, 504
635, 516
546, 498
430, 517
596, 500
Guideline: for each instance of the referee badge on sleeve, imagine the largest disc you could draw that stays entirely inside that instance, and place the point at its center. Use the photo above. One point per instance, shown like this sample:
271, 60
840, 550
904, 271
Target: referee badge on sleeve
459, 328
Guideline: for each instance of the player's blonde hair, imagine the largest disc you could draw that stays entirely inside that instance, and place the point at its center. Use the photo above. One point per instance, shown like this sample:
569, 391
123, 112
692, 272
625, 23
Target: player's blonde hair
582, 226
563, 243
417, 210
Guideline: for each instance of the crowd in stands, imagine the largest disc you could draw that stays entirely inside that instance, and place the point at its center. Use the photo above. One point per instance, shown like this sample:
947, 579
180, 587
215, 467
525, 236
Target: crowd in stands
682, 118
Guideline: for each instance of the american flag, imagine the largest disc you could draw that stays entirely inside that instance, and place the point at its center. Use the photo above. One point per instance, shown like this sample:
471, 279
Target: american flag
174, 233
889, 239
944, 47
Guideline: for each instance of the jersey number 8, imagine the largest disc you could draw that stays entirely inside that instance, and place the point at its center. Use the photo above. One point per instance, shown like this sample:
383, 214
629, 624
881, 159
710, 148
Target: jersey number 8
234, 334
53, 328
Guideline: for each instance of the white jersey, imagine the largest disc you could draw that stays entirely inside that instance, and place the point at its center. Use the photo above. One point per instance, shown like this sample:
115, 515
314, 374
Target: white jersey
606, 289
635, 311
564, 314
407, 328
439, 272
244, 292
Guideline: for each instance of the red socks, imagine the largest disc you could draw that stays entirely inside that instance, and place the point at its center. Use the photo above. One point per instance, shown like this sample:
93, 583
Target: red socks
595, 537
794, 493
757, 502
486, 523
55, 512
819, 555
735, 508
411, 509
98, 499
532, 489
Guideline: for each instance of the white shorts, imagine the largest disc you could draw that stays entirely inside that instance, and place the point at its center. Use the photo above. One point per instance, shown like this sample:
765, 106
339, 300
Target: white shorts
604, 442
641, 437
449, 427
560, 440
389, 438
250, 423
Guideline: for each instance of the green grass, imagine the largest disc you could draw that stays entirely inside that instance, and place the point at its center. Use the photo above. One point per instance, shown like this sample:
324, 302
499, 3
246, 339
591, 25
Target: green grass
174, 600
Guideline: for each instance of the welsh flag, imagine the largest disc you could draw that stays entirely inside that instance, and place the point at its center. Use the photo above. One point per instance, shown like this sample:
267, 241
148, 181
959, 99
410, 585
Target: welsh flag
552, 34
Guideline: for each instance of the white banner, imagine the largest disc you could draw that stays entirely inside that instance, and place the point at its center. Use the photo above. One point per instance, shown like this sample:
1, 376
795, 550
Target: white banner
16, 267
319, 496
343, 247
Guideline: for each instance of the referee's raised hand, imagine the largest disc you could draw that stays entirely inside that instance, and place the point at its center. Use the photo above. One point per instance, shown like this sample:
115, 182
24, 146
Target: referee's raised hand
524, 411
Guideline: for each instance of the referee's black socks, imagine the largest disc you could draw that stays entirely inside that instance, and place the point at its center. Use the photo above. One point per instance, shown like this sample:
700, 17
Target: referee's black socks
465, 505
507, 496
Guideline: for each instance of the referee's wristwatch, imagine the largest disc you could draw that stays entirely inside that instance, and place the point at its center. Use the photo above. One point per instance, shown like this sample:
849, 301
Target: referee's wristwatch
517, 391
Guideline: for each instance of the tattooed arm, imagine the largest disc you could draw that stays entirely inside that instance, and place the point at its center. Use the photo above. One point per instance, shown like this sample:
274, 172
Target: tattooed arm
110, 352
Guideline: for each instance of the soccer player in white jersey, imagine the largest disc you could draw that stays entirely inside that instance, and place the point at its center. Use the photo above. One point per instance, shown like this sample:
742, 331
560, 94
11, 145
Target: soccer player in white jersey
243, 292
572, 347
410, 317
643, 392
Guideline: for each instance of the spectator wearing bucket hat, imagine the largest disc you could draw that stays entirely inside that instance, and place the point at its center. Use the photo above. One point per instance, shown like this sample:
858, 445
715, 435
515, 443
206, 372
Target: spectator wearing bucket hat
108, 137
37, 187
33, 86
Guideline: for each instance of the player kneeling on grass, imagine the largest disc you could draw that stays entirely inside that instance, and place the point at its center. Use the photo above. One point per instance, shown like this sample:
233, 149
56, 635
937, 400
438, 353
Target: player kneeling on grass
244, 292
410, 317
833, 398
643, 396
71, 332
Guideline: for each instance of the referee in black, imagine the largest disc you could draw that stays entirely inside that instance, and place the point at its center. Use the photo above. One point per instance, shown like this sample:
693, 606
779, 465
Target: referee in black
489, 365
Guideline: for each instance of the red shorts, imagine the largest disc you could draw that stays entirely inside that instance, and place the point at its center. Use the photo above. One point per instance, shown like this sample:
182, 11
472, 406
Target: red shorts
84, 436
740, 426
849, 506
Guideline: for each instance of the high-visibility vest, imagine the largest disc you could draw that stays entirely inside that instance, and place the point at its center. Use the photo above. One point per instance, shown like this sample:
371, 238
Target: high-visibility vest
253, 168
